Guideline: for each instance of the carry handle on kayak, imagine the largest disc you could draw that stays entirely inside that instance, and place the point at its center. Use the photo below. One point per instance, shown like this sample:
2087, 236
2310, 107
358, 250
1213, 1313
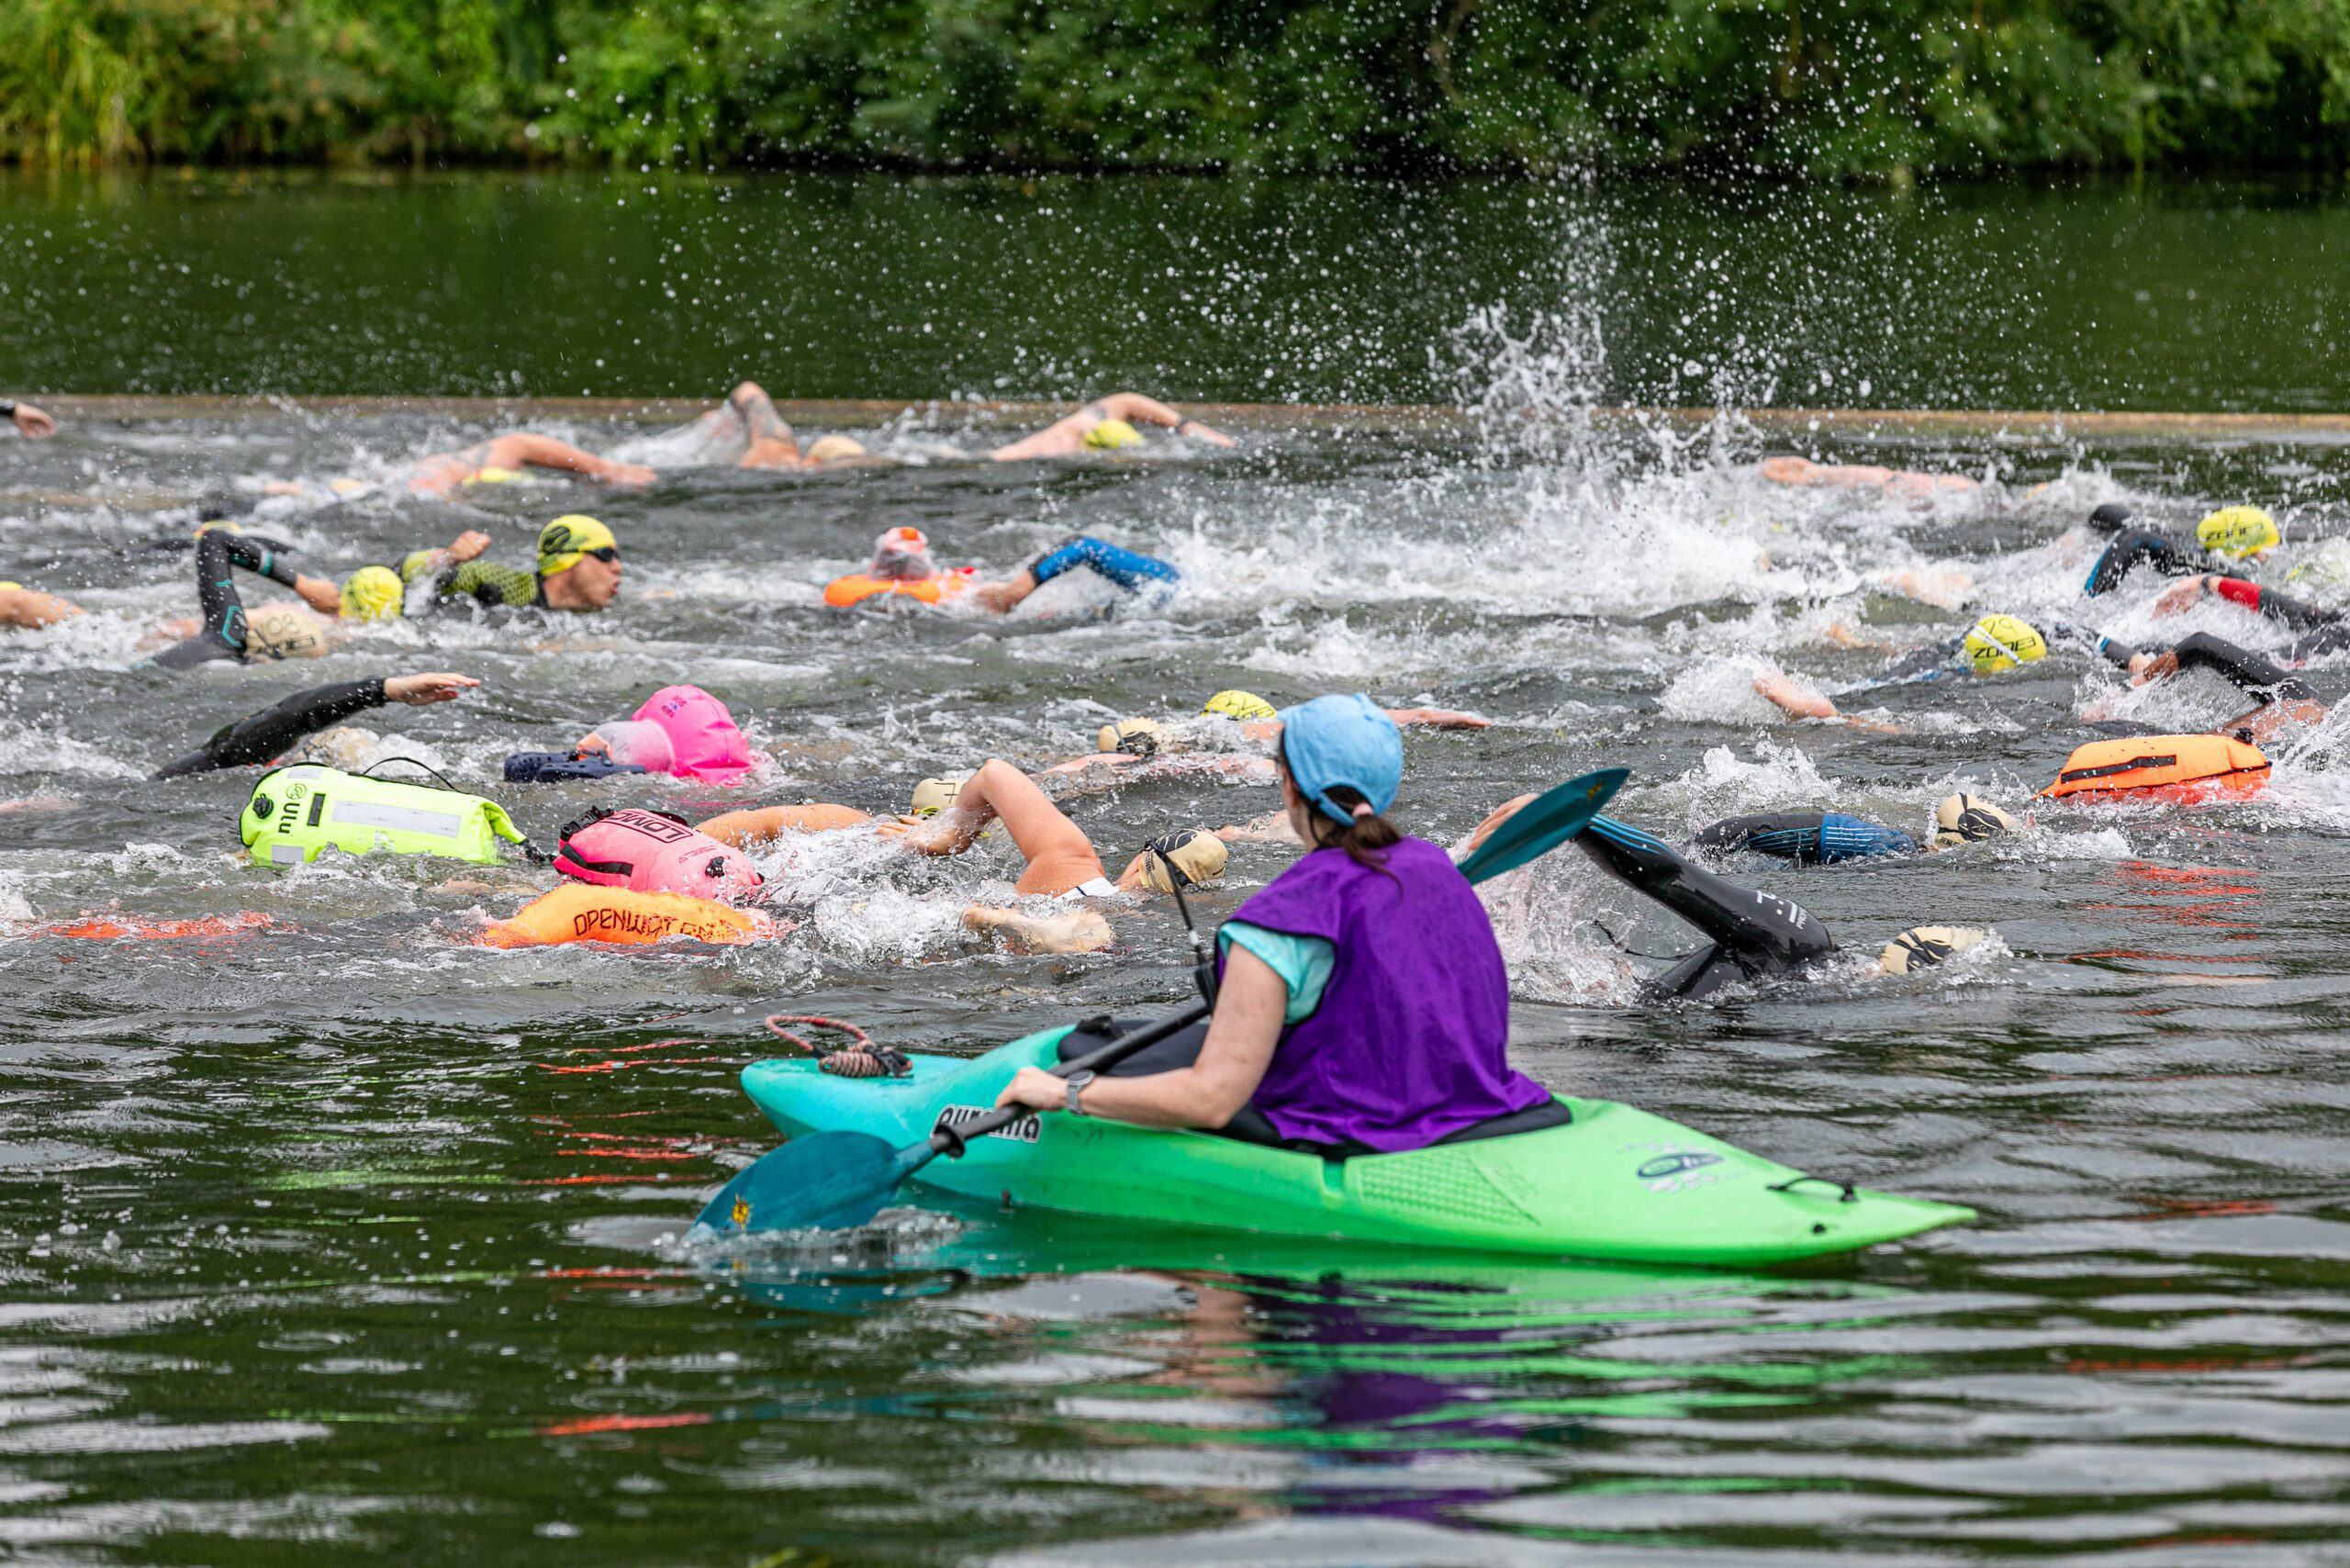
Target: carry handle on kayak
952, 1141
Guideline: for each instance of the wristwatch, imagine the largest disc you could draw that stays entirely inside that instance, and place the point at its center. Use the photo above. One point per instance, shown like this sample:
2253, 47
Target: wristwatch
1077, 1082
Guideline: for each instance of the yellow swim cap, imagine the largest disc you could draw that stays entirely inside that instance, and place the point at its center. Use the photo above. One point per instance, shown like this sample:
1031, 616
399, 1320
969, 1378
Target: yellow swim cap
284, 631
1922, 946
2003, 642
563, 540
934, 795
1135, 737
1110, 434
834, 449
1198, 856
371, 593
19, 587
2238, 531
1239, 705
492, 476
1963, 819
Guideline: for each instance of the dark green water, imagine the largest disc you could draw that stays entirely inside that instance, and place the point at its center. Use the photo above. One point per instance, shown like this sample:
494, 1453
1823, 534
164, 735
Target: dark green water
331, 1236
2103, 296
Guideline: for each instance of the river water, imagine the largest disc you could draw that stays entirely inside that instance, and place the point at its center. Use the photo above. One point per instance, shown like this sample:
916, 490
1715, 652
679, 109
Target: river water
330, 1232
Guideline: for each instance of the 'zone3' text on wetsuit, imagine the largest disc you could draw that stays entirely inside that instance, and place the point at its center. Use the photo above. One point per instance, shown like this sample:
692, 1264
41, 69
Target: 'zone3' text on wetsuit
1752, 933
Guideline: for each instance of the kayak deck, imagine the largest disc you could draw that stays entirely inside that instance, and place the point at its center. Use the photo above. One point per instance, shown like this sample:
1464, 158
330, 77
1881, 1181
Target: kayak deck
1617, 1183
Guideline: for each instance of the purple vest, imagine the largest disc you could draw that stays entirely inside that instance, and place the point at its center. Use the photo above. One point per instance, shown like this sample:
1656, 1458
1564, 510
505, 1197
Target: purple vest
1411, 1040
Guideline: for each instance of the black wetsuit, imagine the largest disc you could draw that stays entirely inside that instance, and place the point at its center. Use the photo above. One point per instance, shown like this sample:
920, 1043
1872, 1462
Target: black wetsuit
266, 735
1754, 934
2321, 630
223, 613
2166, 553
1809, 838
2260, 678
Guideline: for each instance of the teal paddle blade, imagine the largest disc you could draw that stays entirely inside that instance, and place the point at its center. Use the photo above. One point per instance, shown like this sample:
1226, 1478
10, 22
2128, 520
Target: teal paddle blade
822, 1182
1547, 822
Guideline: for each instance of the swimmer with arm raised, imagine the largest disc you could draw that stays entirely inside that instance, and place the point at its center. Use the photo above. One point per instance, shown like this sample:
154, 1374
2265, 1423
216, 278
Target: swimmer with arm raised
1107, 424
31, 422
268, 734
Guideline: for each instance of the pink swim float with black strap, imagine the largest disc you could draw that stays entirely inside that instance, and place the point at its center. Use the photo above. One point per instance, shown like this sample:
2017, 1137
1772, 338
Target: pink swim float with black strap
682, 731
652, 852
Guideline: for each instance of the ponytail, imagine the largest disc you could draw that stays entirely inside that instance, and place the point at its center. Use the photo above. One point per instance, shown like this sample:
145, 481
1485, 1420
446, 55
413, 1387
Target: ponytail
1366, 839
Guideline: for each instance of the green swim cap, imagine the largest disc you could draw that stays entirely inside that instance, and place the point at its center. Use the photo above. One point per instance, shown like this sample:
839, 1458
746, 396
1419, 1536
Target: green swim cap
371, 593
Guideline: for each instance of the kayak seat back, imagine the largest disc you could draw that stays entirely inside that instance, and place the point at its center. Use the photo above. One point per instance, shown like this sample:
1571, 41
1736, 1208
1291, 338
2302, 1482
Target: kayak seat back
1182, 1049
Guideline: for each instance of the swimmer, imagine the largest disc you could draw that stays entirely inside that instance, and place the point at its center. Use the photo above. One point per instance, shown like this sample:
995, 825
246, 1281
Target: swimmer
21, 606
2285, 702
1751, 934
579, 571
1992, 645
1062, 863
1107, 424
269, 734
224, 629
903, 571
2321, 630
749, 416
1827, 838
1902, 483
502, 458
1135, 749
31, 422
2232, 534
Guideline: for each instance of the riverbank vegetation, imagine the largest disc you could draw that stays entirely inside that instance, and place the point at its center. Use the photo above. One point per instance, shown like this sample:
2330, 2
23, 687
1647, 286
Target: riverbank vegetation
1867, 88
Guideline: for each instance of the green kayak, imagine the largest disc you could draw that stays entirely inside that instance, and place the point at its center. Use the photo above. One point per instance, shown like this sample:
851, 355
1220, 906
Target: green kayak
1615, 1183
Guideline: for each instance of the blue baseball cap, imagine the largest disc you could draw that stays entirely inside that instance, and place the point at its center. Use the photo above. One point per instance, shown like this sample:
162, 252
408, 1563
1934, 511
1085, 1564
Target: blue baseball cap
1343, 740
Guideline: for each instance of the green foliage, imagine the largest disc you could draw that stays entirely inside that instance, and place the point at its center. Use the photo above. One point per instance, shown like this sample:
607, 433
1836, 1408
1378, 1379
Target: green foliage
1862, 88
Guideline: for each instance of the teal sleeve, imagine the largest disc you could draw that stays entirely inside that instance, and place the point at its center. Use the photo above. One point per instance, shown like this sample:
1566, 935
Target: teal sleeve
1303, 962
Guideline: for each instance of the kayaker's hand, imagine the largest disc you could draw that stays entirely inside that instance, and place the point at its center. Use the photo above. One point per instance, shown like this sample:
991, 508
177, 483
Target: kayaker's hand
1037, 1089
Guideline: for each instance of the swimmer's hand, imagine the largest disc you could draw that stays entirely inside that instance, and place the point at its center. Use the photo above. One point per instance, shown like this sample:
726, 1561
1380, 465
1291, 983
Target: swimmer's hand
319, 595
1438, 718
635, 475
1037, 1089
2148, 668
2182, 596
33, 422
468, 546
423, 691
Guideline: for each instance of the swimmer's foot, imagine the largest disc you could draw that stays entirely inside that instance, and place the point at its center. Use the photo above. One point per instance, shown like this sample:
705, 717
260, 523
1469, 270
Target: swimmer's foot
1083, 930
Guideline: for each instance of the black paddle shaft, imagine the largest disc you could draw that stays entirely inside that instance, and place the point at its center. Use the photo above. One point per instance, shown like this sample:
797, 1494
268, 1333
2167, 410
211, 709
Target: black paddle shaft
951, 1141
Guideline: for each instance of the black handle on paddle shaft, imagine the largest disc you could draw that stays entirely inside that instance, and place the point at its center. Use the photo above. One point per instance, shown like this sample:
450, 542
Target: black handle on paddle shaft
951, 1141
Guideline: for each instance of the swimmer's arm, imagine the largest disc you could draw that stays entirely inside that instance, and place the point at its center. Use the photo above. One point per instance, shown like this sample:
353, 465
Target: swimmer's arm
1437, 719
1138, 409
1273, 827
1249, 1008
763, 824
30, 419
29, 607
2117, 654
261, 736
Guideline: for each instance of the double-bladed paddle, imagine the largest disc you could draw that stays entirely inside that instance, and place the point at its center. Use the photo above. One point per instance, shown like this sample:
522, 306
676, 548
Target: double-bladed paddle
838, 1179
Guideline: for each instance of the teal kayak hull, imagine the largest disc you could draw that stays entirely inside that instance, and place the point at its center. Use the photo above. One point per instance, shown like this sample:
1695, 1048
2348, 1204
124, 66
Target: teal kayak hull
1617, 1183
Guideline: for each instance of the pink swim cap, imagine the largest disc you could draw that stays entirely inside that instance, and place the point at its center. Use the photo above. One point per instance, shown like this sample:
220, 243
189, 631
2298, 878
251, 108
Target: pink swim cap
684, 731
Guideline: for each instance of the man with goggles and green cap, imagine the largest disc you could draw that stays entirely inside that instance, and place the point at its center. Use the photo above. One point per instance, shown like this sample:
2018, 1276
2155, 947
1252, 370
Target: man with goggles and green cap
579, 570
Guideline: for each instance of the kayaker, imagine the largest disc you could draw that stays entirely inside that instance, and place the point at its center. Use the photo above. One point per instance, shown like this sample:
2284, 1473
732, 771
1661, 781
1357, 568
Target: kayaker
1363, 1003
903, 571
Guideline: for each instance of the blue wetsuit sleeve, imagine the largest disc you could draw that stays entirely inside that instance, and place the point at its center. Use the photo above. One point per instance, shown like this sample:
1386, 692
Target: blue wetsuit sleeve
1303, 962
1126, 568
1820, 839
1850, 838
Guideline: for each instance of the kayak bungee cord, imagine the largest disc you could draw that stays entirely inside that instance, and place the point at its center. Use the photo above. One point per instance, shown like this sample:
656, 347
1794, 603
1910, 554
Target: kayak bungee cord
861, 1058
